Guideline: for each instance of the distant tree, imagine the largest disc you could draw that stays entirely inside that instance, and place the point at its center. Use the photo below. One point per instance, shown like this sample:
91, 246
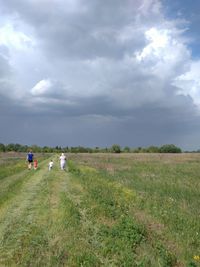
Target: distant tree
104, 150
89, 150
47, 149
16, 147
2, 147
82, 149
153, 149
116, 148
170, 149
66, 149
57, 149
10, 147
126, 149
137, 150
144, 150
74, 149
36, 148
24, 148
96, 149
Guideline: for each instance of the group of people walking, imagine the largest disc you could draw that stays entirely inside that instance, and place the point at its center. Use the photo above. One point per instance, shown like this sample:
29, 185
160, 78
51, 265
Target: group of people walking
31, 161
63, 161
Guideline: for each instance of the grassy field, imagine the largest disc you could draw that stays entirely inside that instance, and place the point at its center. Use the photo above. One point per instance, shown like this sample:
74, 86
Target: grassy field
106, 210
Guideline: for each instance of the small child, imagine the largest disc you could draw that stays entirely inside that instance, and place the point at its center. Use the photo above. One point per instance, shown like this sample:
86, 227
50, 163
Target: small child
50, 165
35, 164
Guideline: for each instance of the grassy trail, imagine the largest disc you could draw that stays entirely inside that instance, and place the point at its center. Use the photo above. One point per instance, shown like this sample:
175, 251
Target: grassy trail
78, 218
36, 217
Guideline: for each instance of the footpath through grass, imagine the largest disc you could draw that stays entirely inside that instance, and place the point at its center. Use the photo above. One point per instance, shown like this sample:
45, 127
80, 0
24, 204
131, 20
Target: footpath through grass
104, 211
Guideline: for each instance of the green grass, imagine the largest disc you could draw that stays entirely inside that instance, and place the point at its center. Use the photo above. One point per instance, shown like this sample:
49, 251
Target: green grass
10, 167
167, 196
107, 210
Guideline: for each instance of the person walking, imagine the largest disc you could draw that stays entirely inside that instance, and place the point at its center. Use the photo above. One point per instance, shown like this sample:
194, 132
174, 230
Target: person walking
62, 161
35, 164
50, 165
29, 158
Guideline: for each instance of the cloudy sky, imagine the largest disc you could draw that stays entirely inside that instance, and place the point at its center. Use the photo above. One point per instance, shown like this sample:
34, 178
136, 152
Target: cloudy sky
95, 73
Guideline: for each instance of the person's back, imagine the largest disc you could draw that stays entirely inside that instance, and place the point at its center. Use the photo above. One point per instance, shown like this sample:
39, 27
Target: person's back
50, 165
62, 161
30, 157
62, 158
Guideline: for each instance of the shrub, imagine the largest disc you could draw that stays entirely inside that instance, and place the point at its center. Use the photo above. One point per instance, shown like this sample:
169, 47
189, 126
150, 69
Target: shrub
170, 149
116, 148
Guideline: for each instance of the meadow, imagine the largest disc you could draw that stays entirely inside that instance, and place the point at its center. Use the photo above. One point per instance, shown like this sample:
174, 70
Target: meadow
105, 210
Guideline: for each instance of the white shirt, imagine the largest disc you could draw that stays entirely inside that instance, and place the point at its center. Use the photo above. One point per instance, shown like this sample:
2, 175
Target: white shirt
62, 158
51, 164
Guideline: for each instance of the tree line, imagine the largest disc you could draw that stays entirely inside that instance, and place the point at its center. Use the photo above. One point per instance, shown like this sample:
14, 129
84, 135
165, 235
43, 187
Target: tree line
169, 148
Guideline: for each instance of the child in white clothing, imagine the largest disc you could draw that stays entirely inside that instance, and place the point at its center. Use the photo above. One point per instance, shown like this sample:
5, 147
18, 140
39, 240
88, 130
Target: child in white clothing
50, 165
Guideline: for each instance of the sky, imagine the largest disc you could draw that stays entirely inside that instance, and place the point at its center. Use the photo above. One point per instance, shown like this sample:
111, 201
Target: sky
97, 73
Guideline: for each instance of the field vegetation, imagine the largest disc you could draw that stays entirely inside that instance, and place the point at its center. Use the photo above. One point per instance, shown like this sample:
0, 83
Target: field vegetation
105, 210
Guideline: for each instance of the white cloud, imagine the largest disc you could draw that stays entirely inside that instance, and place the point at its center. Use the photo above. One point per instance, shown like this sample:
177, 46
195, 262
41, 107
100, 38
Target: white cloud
158, 40
163, 44
132, 63
14, 39
42, 87
166, 55
153, 6
189, 83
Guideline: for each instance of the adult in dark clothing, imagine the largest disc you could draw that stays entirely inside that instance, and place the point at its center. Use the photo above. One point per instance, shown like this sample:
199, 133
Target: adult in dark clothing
30, 157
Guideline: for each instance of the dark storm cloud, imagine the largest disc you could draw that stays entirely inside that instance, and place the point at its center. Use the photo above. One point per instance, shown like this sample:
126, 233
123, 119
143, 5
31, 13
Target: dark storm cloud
5, 84
88, 30
5, 69
146, 127
83, 72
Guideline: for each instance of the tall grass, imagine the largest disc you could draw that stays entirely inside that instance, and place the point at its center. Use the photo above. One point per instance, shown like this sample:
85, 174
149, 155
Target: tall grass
167, 196
106, 210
